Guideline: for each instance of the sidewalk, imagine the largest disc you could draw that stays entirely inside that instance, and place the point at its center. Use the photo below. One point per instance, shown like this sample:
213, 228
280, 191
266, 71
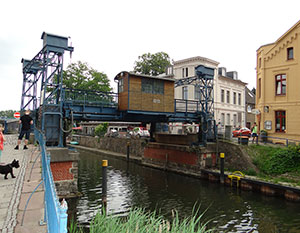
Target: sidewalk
14, 193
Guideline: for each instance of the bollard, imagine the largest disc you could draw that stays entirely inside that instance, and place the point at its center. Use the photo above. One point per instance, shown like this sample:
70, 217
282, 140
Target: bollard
128, 149
222, 157
104, 185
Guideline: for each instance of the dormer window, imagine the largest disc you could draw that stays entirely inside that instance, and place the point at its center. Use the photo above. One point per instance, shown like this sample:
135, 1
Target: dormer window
290, 53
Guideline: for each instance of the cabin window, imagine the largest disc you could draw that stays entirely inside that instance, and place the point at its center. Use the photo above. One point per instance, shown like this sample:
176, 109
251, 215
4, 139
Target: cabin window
147, 85
280, 121
158, 87
281, 84
121, 85
153, 86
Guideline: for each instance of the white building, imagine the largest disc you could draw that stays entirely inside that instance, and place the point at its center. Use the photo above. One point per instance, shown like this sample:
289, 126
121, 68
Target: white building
229, 100
229, 91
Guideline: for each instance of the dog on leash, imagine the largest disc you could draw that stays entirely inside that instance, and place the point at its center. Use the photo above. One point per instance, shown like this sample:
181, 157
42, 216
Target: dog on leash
5, 169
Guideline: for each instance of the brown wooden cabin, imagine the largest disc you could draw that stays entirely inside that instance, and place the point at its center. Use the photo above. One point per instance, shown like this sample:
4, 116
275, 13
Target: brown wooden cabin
139, 92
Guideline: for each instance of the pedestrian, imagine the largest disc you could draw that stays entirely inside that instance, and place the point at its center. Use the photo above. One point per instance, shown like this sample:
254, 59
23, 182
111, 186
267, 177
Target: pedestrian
2, 139
26, 122
254, 131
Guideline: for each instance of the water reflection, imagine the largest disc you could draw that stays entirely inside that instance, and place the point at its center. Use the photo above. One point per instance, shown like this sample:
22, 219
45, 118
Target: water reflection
229, 210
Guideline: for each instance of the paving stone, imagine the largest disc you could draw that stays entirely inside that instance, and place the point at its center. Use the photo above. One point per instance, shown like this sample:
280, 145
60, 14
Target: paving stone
11, 195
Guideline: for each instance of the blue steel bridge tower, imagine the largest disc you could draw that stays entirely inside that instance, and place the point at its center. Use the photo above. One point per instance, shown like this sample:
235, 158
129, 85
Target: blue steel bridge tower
204, 82
42, 87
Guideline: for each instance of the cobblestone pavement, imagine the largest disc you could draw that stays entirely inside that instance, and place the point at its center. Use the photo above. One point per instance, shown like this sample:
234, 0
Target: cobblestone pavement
11, 190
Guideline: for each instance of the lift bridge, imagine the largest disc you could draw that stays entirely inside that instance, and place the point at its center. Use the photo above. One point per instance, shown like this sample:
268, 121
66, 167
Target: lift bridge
55, 107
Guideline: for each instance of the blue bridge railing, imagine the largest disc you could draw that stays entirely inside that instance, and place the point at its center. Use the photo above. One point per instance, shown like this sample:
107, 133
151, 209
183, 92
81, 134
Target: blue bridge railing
55, 212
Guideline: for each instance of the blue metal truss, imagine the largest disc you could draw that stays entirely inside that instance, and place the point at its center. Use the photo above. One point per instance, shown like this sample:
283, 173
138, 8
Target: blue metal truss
54, 104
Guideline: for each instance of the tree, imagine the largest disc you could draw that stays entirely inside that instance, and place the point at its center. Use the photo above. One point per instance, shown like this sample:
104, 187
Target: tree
101, 129
7, 113
152, 64
81, 76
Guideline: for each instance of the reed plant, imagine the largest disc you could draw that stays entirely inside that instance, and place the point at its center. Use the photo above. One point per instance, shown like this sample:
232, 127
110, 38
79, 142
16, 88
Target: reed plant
140, 221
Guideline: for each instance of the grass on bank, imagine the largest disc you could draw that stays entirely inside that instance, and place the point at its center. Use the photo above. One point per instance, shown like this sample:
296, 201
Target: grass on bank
276, 164
140, 221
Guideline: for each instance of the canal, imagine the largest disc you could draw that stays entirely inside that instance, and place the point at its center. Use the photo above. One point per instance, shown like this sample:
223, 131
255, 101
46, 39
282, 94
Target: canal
132, 185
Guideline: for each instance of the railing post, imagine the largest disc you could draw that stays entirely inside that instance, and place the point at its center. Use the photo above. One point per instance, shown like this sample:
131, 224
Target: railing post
104, 185
63, 217
222, 157
128, 150
287, 142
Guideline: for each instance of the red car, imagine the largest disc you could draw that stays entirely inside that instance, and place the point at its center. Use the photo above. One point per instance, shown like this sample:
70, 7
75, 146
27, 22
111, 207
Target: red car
241, 132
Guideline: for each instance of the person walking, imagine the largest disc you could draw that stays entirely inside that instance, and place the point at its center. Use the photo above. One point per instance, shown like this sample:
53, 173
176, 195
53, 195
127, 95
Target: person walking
26, 122
254, 131
2, 139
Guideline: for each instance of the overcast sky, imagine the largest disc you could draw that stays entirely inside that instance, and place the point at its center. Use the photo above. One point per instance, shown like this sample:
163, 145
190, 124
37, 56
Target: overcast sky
110, 34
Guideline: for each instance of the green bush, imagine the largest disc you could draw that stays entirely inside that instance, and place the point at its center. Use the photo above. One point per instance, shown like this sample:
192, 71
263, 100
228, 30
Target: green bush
101, 129
276, 161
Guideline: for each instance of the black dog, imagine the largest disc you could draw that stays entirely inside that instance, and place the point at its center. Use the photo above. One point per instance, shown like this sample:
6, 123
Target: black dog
9, 168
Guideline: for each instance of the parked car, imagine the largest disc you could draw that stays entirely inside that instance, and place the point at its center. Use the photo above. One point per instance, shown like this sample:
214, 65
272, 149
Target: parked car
116, 131
241, 132
140, 132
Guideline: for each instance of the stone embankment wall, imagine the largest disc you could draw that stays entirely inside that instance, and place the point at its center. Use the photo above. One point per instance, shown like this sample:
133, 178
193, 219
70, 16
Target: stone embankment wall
236, 157
194, 161
64, 167
118, 145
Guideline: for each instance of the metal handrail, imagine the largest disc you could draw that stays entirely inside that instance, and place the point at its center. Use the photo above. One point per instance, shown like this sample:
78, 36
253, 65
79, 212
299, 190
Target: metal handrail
278, 138
55, 213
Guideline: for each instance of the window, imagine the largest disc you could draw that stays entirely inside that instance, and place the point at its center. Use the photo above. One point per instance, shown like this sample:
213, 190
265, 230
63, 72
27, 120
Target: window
185, 93
280, 121
222, 118
197, 93
228, 119
222, 96
259, 88
259, 62
234, 120
228, 96
158, 87
240, 99
290, 53
185, 72
239, 118
147, 85
153, 86
234, 97
121, 85
281, 84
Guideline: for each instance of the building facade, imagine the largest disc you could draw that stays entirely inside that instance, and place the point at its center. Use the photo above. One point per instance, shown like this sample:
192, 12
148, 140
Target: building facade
278, 82
250, 106
229, 91
230, 100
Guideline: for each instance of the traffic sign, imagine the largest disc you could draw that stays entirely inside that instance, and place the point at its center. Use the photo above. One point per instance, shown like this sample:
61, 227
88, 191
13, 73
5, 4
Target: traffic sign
17, 115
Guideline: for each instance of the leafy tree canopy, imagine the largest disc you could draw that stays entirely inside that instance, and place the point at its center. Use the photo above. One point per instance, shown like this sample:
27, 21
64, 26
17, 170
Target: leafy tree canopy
7, 113
81, 76
152, 64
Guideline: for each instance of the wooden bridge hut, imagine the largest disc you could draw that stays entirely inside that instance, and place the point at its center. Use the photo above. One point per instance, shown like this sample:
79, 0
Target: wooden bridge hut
145, 93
